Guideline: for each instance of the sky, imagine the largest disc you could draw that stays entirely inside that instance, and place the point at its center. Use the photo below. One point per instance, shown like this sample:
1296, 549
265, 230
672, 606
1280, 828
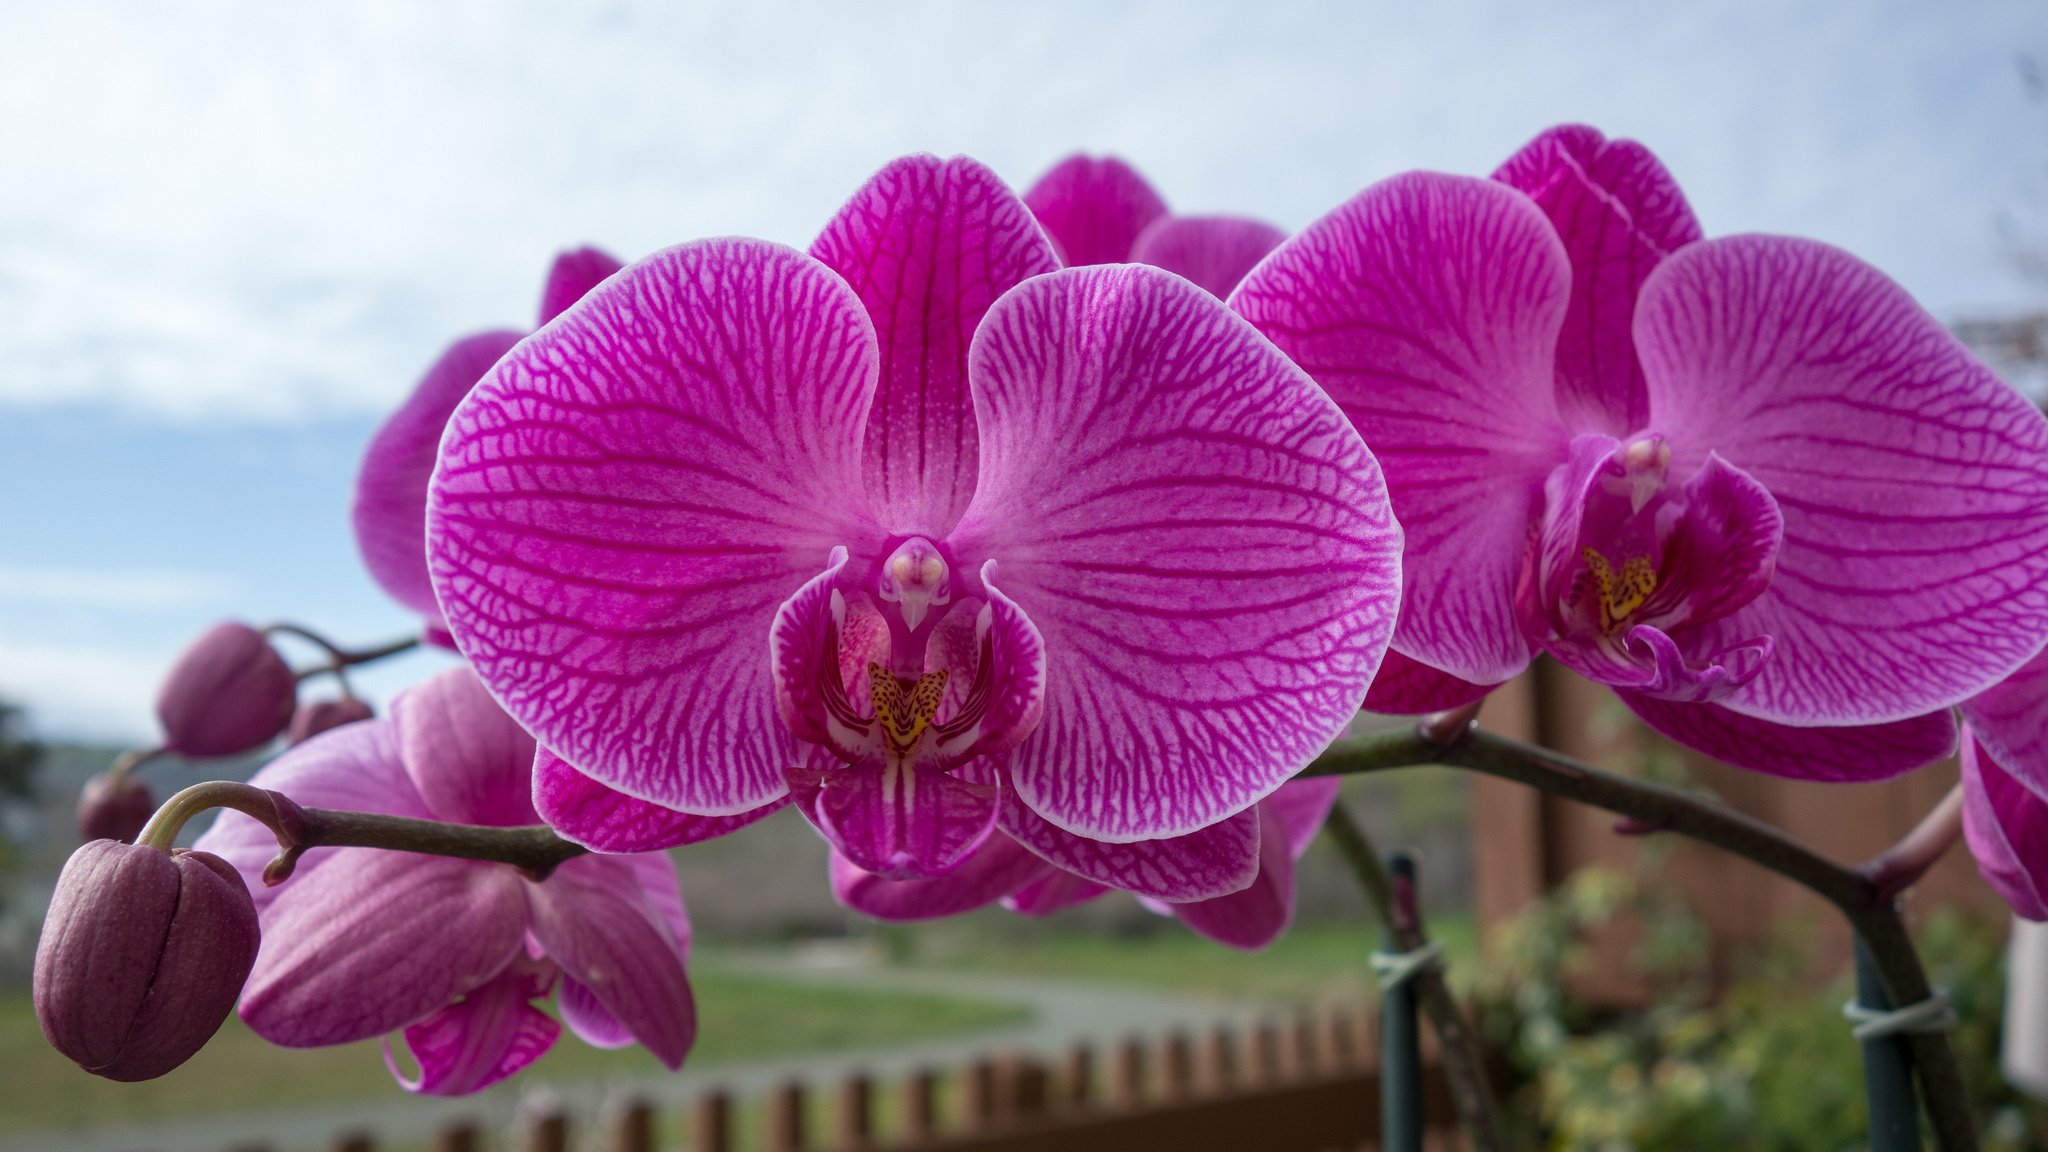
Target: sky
233, 234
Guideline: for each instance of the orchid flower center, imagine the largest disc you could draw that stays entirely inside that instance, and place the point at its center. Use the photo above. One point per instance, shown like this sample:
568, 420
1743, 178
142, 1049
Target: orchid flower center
1615, 596
915, 579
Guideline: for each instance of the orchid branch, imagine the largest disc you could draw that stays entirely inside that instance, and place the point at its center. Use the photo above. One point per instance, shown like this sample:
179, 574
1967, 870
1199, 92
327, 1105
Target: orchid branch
339, 657
1457, 1046
535, 849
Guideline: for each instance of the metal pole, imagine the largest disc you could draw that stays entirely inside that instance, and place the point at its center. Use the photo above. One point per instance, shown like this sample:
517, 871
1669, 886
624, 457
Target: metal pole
1400, 1047
1887, 1068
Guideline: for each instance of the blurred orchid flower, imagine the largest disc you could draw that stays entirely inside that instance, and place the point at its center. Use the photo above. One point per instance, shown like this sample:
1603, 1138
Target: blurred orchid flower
1747, 482
2005, 786
1099, 210
729, 531
1004, 869
390, 507
362, 942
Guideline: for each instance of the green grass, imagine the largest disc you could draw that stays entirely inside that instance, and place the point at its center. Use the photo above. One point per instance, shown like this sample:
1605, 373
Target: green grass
740, 1018
1313, 962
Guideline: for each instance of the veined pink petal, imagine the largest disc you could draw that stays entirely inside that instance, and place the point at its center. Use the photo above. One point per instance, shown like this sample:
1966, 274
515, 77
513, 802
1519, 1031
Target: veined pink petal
375, 940
2011, 720
1914, 484
389, 512
490, 1034
1201, 539
1301, 806
1257, 914
602, 819
1619, 213
624, 503
1095, 207
902, 822
591, 1021
1428, 307
467, 759
928, 244
356, 767
1212, 861
994, 870
1056, 891
2006, 825
1408, 687
595, 920
1852, 754
1213, 251
574, 274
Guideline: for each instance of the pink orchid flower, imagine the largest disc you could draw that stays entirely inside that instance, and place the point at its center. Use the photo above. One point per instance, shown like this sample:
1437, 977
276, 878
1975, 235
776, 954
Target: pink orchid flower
361, 942
2005, 786
1003, 869
1099, 210
1747, 482
924, 531
390, 508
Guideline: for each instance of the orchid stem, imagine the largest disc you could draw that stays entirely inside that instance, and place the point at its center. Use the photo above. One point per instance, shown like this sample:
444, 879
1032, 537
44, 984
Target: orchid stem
1903, 864
339, 657
1871, 911
1457, 1045
535, 849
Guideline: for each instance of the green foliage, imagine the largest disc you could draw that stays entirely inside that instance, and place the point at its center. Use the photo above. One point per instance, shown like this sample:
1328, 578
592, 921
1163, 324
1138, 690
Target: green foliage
1769, 1067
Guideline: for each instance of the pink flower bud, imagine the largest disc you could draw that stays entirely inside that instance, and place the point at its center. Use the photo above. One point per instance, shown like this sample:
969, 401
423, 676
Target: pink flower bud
142, 956
228, 694
317, 716
114, 806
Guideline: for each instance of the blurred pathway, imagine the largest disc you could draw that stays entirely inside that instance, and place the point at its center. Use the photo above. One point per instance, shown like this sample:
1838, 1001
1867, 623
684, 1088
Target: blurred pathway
1063, 1011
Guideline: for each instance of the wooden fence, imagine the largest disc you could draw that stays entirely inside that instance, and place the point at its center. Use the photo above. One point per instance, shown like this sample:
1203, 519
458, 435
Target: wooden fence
1306, 1084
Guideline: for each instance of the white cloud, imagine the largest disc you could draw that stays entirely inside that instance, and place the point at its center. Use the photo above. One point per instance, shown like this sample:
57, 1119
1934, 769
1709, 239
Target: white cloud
119, 590
82, 691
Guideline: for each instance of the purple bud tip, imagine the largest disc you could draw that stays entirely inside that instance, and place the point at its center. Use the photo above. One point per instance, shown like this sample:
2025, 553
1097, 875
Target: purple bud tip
229, 693
319, 715
114, 806
142, 956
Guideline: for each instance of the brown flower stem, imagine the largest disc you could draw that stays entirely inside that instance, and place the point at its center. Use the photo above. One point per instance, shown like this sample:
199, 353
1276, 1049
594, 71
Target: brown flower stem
339, 657
534, 849
1871, 911
1457, 1043
1903, 864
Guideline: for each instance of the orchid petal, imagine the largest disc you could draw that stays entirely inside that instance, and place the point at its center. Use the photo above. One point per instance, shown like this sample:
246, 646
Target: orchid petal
389, 512
596, 920
2006, 826
583, 811
1213, 861
1724, 548
490, 1034
1428, 307
1619, 213
1056, 891
622, 506
1213, 251
994, 870
574, 274
376, 940
590, 1020
1201, 539
1094, 207
804, 653
353, 768
1301, 806
1914, 484
466, 758
1407, 687
1256, 915
901, 822
2011, 720
928, 244
1851, 754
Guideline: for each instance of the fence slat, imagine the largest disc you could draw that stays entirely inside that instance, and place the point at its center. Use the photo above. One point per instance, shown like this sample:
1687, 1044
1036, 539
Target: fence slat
920, 1101
1176, 1067
1333, 1041
1022, 1087
1215, 1061
853, 1125
784, 1127
1297, 1048
543, 1131
353, 1142
1077, 1081
977, 1095
1127, 1074
629, 1125
711, 1123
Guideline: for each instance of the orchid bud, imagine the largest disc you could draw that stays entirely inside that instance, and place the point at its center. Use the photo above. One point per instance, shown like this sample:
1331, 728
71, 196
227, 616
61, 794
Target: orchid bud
228, 694
114, 806
142, 956
317, 716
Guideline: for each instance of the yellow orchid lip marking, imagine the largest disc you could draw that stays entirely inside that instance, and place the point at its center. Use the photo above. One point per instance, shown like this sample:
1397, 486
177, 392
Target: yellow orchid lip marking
1620, 593
905, 708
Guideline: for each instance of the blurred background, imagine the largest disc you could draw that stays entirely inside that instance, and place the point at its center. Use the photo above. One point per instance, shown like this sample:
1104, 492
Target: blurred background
233, 234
